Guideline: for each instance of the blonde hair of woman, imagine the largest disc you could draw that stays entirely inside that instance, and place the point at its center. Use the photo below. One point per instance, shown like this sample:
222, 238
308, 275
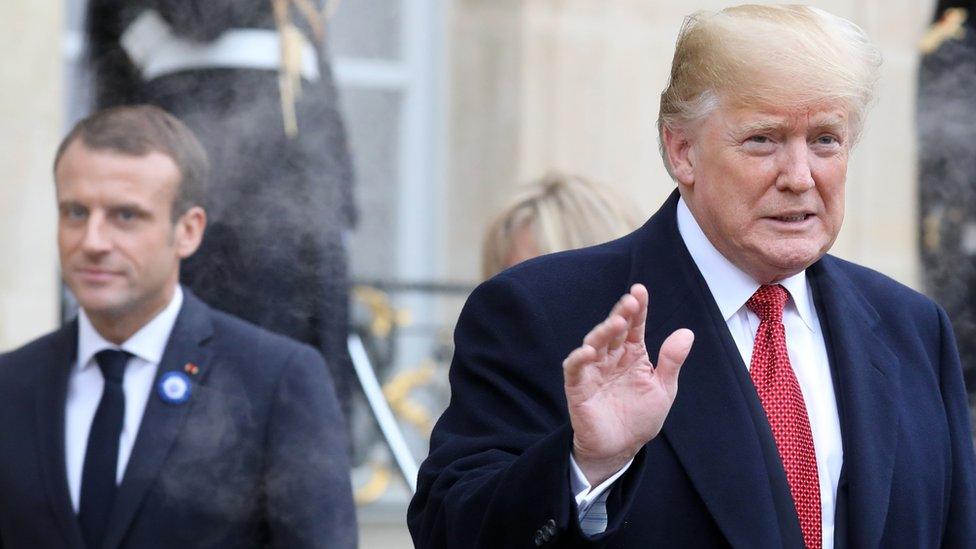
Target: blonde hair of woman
554, 213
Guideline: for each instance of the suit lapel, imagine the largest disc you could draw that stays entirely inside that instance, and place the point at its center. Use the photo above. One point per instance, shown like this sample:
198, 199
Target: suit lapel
710, 426
868, 390
52, 390
162, 422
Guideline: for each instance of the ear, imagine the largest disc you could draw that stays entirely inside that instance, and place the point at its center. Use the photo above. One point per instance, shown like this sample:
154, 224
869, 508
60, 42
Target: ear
189, 231
677, 143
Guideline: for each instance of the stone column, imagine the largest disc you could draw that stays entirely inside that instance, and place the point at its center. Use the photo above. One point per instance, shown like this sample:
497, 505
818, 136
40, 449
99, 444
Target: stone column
31, 109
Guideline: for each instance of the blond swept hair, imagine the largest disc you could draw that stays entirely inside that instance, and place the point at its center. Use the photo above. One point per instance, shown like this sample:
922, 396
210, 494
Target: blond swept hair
563, 212
762, 56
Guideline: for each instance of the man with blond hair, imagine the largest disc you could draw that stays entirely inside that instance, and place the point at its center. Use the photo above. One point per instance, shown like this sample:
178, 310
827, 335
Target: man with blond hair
820, 403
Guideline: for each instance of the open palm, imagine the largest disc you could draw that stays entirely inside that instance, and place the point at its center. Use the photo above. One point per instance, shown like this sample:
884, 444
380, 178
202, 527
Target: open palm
618, 399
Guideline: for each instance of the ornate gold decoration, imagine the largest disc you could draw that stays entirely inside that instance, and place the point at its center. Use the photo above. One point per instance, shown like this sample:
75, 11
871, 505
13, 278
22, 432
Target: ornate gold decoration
375, 487
385, 317
397, 393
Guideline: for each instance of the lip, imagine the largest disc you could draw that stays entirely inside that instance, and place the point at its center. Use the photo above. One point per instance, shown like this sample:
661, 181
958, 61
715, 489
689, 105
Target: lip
95, 276
781, 220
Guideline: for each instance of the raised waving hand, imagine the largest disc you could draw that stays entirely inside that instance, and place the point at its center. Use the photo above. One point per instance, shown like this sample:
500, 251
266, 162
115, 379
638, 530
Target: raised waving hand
618, 399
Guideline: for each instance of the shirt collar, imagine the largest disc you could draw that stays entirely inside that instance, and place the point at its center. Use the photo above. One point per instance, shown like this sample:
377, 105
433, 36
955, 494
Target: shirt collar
730, 286
148, 343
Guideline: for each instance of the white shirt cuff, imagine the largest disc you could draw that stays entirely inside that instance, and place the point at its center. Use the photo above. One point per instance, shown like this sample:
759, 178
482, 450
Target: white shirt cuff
584, 493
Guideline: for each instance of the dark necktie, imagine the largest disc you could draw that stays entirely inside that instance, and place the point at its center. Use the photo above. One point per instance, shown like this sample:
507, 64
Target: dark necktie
781, 398
102, 455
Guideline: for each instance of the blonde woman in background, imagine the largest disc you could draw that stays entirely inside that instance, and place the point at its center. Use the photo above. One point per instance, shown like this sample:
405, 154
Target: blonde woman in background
553, 213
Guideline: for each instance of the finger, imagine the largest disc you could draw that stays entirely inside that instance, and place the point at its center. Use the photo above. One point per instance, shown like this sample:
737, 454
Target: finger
626, 309
599, 337
605, 333
638, 322
673, 353
574, 362
618, 306
619, 326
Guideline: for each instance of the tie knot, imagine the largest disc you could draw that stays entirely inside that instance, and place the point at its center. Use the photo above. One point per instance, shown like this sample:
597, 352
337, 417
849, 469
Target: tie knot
768, 302
112, 363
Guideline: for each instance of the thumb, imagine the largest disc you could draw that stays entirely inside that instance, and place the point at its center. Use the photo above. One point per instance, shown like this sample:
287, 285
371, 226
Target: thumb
673, 353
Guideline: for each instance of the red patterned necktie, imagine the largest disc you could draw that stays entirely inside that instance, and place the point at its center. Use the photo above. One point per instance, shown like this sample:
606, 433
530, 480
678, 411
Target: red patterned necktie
782, 399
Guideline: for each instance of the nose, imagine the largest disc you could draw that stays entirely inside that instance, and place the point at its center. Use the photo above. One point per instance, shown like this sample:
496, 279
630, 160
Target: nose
795, 172
96, 239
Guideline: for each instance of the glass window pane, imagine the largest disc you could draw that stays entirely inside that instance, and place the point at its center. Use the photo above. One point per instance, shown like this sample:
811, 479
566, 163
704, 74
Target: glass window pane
366, 28
373, 120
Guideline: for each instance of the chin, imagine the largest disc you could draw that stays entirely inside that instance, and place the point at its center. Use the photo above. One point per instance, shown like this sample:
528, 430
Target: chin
96, 302
790, 265
785, 263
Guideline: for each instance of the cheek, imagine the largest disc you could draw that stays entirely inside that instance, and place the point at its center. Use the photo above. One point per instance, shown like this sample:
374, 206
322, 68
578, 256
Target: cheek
68, 240
833, 199
144, 248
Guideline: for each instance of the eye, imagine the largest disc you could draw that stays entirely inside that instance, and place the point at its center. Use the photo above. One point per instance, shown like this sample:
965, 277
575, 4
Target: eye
759, 144
125, 215
826, 140
74, 212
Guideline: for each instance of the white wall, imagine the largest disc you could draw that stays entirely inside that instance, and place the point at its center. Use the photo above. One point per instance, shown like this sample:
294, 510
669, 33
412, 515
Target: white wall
30, 108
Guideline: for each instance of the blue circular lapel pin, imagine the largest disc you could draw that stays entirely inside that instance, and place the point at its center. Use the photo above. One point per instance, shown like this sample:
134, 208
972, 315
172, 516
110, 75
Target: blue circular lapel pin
174, 388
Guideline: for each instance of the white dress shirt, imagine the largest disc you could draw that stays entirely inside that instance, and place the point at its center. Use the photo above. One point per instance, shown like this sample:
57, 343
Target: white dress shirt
731, 288
85, 386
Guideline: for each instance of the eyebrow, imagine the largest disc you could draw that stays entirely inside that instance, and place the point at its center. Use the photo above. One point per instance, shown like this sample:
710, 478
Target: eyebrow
818, 123
829, 121
761, 126
139, 209
66, 203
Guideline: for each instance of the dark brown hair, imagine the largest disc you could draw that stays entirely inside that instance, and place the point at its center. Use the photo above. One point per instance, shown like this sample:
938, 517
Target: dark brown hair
142, 129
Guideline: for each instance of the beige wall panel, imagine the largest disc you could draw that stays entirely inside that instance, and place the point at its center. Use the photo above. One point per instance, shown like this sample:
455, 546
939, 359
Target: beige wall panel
592, 82
30, 107
483, 128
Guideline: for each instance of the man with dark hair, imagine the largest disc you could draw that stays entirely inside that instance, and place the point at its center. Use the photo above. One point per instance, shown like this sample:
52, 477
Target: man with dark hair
153, 420
138, 130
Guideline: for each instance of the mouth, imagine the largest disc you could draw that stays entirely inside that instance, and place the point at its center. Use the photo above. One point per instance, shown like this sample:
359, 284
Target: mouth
792, 217
95, 275
792, 222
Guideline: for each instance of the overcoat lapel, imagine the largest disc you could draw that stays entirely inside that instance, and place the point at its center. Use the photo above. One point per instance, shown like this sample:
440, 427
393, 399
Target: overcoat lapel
162, 422
868, 390
710, 426
52, 390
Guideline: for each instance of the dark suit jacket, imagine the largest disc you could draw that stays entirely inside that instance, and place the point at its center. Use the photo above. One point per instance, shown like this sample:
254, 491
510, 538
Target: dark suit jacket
498, 465
256, 456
